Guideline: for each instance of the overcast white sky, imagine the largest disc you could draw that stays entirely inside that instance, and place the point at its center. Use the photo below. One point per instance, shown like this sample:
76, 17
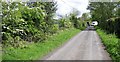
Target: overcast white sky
66, 6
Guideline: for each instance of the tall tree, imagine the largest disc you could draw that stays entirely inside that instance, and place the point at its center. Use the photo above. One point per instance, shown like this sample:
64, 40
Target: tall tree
50, 9
101, 11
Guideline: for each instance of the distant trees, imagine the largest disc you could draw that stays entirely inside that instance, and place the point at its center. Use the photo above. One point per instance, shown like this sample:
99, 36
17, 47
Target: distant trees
107, 14
78, 22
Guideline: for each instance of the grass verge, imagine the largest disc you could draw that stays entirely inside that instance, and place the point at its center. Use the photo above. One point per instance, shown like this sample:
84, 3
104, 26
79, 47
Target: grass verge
38, 50
112, 44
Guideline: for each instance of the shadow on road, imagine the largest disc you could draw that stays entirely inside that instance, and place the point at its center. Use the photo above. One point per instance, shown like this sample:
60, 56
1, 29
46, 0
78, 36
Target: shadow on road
90, 28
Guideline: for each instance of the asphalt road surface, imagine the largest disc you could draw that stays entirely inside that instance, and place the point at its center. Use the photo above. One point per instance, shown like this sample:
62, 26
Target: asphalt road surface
84, 46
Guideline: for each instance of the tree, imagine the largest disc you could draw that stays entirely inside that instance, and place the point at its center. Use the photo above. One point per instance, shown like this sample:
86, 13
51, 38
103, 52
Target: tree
50, 9
107, 14
101, 11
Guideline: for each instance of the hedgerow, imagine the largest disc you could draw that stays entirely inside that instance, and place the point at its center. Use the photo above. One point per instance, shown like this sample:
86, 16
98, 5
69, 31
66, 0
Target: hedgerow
26, 22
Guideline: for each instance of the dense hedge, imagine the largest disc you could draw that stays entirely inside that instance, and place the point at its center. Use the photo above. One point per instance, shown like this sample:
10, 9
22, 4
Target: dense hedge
31, 22
22, 24
112, 44
113, 26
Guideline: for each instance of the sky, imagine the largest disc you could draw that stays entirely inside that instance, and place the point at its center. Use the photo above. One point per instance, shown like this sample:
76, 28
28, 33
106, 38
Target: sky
66, 6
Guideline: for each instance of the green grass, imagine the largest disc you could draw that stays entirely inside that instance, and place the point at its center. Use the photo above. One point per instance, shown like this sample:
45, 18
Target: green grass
38, 50
112, 44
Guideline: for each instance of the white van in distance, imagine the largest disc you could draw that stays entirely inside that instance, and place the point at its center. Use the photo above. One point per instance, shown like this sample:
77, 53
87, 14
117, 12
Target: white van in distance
94, 23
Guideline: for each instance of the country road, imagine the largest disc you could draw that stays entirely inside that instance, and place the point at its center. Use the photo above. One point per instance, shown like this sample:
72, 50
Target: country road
86, 45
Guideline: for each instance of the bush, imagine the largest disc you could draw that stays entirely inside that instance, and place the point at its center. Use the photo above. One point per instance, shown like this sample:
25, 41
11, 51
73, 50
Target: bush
117, 27
22, 23
112, 44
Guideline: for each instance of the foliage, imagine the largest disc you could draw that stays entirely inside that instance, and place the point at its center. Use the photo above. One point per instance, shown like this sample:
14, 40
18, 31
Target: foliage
106, 13
74, 20
112, 44
64, 23
25, 22
36, 51
28, 26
